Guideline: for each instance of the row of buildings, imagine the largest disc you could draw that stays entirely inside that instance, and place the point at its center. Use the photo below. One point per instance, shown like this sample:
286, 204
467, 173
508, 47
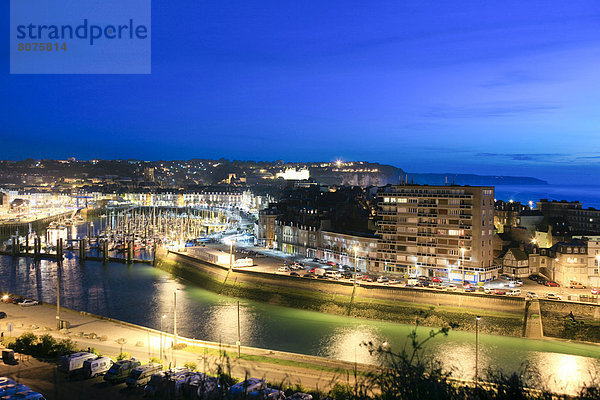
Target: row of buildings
455, 232
419, 230
209, 196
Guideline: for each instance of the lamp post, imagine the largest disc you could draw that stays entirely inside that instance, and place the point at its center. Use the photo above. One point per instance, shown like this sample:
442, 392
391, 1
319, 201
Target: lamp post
231, 255
462, 263
355, 262
175, 316
162, 318
58, 324
476, 347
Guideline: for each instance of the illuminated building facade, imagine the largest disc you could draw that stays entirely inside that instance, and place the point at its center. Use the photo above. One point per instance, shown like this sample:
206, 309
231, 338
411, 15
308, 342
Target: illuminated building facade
442, 231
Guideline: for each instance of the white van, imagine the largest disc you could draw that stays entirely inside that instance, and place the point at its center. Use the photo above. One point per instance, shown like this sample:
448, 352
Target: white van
333, 274
141, 375
513, 292
96, 366
74, 362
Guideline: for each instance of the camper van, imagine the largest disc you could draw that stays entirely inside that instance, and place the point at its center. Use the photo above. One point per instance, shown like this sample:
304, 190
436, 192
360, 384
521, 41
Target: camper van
121, 370
141, 375
74, 362
243, 389
12, 389
96, 366
28, 395
160, 382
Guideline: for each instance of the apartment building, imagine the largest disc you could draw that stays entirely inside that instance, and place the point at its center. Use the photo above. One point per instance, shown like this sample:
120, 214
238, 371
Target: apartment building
570, 262
593, 251
579, 219
436, 231
346, 249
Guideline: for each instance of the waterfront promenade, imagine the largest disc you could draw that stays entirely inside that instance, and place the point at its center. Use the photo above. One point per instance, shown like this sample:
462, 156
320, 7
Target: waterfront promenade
111, 337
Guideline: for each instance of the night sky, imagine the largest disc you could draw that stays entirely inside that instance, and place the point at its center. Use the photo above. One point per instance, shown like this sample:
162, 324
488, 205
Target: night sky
489, 87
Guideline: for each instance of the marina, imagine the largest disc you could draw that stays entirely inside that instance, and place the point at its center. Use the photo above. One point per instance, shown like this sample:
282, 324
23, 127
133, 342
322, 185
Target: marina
127, 235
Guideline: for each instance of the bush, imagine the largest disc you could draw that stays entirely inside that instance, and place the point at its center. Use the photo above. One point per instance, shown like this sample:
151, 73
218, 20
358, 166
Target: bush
124, 356
191, 365
155, 360
44, 346
180, 346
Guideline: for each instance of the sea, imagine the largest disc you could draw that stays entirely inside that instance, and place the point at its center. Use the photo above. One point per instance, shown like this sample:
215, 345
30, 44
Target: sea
588, 195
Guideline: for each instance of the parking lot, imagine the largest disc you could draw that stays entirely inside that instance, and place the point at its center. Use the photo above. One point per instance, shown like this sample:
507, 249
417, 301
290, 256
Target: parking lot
273, 261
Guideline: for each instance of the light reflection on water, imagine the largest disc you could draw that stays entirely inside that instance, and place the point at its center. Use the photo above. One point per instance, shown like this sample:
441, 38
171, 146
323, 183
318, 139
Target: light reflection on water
141, 294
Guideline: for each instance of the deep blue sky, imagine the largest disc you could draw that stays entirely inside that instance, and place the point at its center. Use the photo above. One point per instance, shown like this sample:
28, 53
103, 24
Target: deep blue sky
491, 87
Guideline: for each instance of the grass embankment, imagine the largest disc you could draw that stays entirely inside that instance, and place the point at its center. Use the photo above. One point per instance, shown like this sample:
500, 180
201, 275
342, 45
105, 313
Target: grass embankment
503, 323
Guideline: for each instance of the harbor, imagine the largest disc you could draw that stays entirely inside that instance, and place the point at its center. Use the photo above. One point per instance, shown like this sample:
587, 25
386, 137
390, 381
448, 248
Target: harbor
127, 235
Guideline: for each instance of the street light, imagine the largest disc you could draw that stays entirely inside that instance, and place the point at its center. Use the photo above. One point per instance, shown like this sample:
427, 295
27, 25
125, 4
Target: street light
462, 262
175, 316
161, 334
355, 262
476, 347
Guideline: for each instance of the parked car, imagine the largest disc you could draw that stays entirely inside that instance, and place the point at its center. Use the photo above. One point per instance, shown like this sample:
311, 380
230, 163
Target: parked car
553, 296
518, 282
505, 277
595, 291
535, 277
437, 279
470, 289
451, 287
394, 282
293, 273
283, 269
309, 275
576, 285
531, 295
551, 284
383, 279
2, 315
500, 292
28, 303
513, 292
423, 278
332, 274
